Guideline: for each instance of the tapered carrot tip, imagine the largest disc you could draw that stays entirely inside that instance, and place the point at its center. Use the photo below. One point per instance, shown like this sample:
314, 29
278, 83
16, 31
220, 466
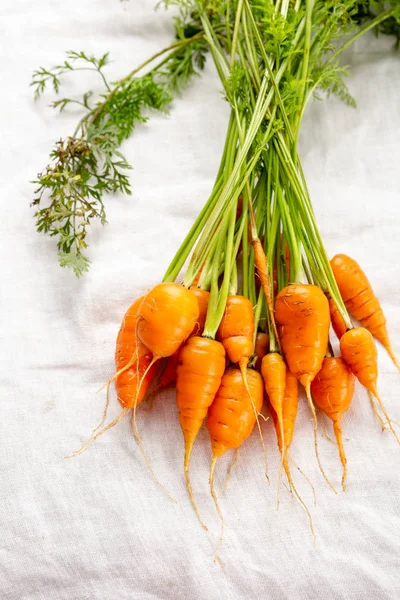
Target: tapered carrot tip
338, 433
186, 466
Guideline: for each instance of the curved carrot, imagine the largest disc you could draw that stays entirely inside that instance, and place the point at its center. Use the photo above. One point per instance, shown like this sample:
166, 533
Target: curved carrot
302, 314
333, 391
231, 419
359, 351
261, 348
128, 345
360, 299
201, 364
338, 324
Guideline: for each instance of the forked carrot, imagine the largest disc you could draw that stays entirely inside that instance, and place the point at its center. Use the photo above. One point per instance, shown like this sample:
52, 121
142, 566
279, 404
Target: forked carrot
333, 391
360, 299
302, 314
231, 419
359, 351
201, 364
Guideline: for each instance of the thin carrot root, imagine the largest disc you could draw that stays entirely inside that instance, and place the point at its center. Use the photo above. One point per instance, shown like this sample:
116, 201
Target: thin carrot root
306, 478
314, 416
94, 435
392, 355
228, 475
215, 498
186, 466
383, 423
136, 434
338, 434
105, 411
298, 497
383, 409
243, 367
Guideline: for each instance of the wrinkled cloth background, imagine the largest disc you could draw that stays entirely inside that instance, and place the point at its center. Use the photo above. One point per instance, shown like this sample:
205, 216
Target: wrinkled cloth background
97, 527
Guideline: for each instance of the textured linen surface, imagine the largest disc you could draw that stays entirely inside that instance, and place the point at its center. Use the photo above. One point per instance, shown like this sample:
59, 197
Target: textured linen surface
97, 527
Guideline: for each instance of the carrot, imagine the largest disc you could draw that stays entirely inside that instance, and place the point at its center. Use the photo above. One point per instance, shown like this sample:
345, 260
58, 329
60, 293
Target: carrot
360, 299
284, 432
201, 364
273, 370
333, 391
338, 324
261, 348
236, 332
166, 318
231, 419
168, 376
203, 298
302, 314
127, 346
359, 351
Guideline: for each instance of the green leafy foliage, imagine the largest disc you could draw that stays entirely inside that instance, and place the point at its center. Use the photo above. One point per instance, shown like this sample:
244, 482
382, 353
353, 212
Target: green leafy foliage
87, 165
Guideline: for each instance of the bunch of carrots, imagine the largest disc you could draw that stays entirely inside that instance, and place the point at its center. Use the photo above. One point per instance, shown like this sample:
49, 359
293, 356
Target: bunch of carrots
243, 313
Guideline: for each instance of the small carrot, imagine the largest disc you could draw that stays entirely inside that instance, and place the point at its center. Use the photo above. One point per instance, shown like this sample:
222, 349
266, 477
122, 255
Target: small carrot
273, 371
358, 349
333, 391
236, 332
166, 318
231, 419
338, 324
201, 364
302, 314
261, 348
360, 299
261, 263
285, 434
128, 345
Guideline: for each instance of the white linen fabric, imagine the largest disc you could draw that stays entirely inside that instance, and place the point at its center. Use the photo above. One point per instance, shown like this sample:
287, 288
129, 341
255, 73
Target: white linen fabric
97, 527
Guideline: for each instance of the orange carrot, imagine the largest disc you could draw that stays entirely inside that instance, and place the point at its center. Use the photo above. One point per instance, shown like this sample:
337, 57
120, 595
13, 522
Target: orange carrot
231, 419
201, 364
273, 370
236, 332
359, 351
360, 299
127, 346
333, 391
166, 318
302, 314
261, 348
338, 324
168, 376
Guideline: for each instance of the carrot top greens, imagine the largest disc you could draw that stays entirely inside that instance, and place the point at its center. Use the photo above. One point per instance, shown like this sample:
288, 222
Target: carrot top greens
302, 40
